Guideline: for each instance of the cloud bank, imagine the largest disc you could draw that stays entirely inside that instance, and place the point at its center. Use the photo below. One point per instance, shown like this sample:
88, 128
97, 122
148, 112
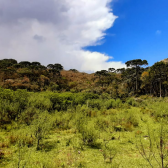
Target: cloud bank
56, 31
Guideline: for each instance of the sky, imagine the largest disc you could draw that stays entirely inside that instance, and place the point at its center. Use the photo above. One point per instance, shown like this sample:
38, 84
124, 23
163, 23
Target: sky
139, 32
87, 35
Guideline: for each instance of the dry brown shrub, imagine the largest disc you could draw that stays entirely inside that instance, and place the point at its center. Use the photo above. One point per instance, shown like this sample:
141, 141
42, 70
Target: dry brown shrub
128, 126
13, 139
1, 154
25, 80
4, 144
81, 80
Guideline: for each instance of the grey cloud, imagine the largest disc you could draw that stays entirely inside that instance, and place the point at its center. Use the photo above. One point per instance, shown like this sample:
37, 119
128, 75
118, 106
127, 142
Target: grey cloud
42, 10
38, 38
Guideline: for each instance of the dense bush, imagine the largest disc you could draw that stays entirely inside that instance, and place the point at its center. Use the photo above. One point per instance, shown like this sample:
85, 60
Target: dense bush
89, 134
40, 127
12, 104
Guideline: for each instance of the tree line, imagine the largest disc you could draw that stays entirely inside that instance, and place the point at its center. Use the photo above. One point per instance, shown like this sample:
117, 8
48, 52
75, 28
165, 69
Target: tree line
137, 79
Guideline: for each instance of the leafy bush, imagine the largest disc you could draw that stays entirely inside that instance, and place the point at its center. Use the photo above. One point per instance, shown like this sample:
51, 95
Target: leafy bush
116, 103
131, 101
160, 109
22, 136
61, 101
133, 117
40, 101
102, 123
105, 96
41, 126
12, 103
29, 115
62, 120
89, 134
108, 104
95, 103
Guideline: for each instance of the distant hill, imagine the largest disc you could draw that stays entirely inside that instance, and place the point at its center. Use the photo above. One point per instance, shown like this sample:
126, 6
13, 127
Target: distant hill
118, 83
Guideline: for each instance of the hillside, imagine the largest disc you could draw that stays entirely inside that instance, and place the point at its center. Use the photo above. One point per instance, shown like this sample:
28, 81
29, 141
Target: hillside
137, 79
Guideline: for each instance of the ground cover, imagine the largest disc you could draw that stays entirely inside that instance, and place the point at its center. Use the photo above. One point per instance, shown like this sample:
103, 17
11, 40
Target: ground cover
69, 130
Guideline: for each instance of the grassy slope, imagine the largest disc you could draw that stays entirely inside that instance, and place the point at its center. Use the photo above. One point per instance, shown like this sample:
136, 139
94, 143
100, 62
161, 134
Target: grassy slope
63, 147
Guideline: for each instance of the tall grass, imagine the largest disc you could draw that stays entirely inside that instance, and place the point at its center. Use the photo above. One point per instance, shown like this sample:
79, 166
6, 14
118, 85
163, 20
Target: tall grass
51, 130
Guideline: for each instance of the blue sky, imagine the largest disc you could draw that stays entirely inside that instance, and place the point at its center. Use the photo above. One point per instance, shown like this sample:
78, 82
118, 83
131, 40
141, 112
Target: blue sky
140, 32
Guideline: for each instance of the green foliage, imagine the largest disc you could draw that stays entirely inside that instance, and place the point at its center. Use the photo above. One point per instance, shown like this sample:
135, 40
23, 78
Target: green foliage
132, 102
133, 117
116, 103
22, 137
135, 80
160, 110
89, 134
41, 126
62, 121
40, 101
102, 123
154, 150
12, 103
105, 96
77, 129
53, 87
95, 103
28, 115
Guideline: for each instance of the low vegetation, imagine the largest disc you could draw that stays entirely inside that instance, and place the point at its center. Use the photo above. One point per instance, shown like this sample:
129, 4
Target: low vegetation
51, 130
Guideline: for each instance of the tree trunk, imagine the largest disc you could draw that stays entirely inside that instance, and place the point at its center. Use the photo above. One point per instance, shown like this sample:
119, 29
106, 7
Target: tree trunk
165, 92
160, 88
38, 144
136, 78
136, 84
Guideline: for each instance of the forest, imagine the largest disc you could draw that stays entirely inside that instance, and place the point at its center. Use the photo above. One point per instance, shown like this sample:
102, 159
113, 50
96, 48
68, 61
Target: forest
51, 117
136, 79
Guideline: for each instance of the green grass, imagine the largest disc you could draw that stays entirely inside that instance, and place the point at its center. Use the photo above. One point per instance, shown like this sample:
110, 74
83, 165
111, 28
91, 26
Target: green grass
85, 137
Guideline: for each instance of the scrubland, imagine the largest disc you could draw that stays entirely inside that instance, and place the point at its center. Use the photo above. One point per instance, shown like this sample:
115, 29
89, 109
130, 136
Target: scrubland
50, 130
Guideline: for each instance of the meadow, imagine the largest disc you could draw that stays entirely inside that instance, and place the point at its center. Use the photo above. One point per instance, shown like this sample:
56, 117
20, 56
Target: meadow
50, 130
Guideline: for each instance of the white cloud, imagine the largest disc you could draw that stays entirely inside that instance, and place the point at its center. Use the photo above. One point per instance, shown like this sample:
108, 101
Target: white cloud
55, 31
158, 32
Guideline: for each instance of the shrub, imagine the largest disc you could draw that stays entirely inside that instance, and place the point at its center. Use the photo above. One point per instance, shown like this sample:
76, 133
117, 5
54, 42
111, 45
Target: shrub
128, 126
89, 134
133, 117
12, 103
4, 144
105, 96
25, 138
13, 139
2, 154
40, 101
28, 115
102, 123
62, 121
95, 103
160, 109
116, 103
131, 102
107, 104
60, 101
41, 126
109, 151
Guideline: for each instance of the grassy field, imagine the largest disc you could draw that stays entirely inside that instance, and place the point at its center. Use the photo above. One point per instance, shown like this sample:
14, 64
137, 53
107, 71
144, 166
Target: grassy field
127, 134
